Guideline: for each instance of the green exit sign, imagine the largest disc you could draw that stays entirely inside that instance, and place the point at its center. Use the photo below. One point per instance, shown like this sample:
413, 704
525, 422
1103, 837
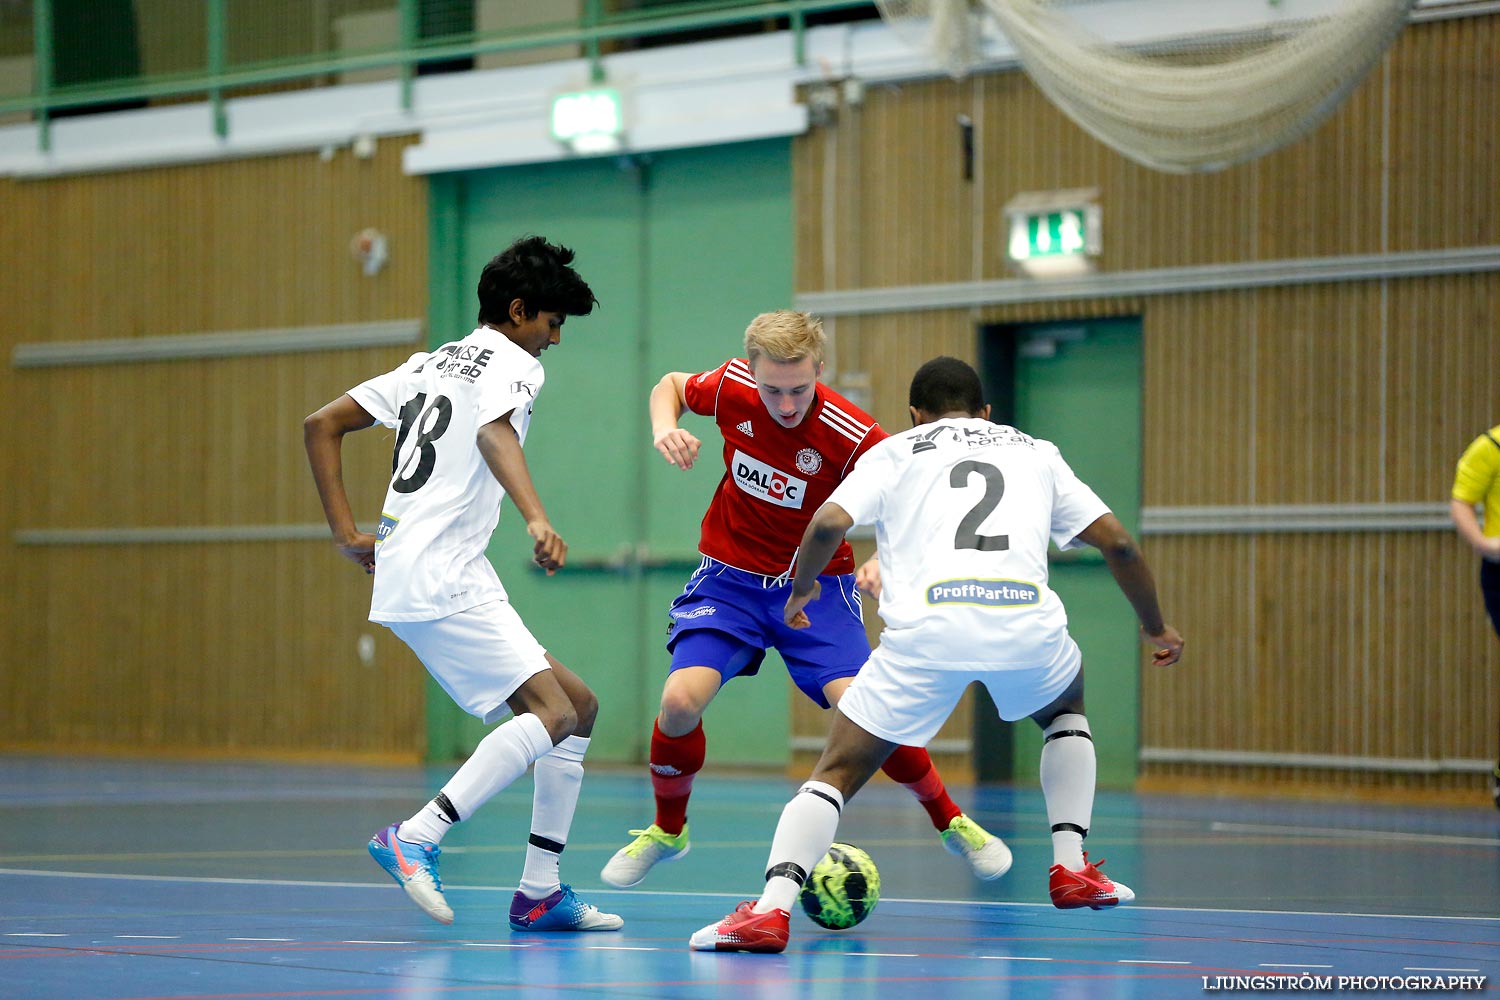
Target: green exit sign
1053, 232
1049, 234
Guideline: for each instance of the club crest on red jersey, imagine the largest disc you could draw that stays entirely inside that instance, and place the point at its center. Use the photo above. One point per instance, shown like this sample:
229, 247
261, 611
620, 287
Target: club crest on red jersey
809, 461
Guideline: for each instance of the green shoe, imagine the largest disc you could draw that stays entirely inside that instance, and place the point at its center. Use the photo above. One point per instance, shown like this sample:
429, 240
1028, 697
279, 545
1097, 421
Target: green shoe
985, 853
631, 863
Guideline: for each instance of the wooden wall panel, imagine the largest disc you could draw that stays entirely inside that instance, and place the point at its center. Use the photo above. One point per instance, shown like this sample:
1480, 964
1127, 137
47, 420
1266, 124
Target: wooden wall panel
1445, 135
124, 440
1199, 399
237, 647
232, 647
1368, 645
239, 245
1360, 644
1443, 377
1425, 125
1318, 381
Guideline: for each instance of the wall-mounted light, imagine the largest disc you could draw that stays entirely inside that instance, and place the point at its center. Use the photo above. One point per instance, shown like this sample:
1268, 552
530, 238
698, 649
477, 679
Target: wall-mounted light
589, 121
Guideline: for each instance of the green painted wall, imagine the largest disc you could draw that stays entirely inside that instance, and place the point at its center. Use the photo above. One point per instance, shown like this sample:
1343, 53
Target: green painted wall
682, 249
1086, 399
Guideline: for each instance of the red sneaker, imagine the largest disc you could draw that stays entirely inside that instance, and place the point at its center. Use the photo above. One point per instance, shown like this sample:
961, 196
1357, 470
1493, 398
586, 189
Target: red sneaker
1090, 887
745, 930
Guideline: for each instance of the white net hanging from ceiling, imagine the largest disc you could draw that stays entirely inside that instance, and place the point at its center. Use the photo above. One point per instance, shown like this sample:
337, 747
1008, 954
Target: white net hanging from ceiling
1197, 104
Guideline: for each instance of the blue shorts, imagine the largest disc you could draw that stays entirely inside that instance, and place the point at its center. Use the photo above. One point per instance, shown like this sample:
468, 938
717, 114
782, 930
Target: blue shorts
726, 618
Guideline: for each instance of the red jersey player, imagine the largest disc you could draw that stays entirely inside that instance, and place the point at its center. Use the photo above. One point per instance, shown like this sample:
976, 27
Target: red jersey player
788, 442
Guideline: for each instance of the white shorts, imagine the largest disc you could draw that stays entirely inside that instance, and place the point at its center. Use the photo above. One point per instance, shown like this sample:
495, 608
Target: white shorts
906, 702
479, 656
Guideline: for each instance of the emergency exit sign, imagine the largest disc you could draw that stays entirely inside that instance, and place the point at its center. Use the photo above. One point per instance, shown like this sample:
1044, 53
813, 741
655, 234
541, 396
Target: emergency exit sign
1048, 234
1053, 231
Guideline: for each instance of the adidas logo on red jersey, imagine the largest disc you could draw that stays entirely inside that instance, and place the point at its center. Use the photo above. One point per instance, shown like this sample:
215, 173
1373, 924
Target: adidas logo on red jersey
744, 428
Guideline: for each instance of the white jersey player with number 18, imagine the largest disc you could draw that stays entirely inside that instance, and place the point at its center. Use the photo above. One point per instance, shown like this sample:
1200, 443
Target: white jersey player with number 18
963, 512
443, 502
460, 414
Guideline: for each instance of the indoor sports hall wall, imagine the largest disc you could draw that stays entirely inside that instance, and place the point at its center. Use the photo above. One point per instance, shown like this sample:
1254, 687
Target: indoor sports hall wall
168, 581
169, 586
1344, 647
174, 588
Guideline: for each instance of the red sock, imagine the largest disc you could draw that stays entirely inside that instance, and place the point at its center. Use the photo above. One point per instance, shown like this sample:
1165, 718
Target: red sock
674, 761
912, 767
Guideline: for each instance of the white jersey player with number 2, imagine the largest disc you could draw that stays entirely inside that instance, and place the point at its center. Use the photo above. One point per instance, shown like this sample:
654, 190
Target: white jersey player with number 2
963, 510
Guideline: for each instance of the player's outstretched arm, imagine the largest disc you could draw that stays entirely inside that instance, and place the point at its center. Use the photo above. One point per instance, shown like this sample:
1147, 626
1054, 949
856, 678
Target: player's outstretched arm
323, 437
502, 452
1134, 578
668, 400
819, 542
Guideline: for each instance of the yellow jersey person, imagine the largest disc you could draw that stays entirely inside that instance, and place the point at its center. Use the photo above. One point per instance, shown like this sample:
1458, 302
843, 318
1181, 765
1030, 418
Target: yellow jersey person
1476, 483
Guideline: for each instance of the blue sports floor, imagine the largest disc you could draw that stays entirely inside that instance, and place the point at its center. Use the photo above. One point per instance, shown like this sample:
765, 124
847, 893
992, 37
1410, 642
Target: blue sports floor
127, 879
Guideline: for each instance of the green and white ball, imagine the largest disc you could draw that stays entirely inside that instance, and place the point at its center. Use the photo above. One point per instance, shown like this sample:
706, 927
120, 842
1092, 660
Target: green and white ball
842, 889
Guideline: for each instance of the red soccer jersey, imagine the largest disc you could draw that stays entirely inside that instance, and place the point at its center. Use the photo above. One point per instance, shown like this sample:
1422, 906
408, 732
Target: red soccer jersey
775, 477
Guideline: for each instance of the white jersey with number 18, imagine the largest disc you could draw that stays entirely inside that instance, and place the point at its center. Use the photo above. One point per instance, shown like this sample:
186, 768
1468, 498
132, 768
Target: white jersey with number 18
443, 502
963, 510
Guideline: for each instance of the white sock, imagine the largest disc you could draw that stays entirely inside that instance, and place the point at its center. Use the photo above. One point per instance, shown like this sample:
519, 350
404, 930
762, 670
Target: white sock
501, 758
557, 778
808, 825
1068, 773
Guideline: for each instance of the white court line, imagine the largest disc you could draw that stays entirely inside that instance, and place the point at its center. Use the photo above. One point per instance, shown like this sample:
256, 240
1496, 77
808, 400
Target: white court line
510, 890
492, 944
1316, 831
1014, 958
1292, 965
260, 939
32, 934
877, 954
202, 880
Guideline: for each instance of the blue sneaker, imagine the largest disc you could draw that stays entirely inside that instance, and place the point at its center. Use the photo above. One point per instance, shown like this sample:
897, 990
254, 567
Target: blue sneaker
561, 911
415, 869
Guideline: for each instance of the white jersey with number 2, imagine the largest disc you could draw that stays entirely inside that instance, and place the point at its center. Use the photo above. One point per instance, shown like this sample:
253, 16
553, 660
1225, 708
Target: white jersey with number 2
443, 502
963, 510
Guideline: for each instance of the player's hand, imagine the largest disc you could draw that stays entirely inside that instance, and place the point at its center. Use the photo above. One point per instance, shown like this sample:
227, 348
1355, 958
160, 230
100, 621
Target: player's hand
1168, 646
550, 551
677, 446
793, 614
1491, 550
867, 577
359, 549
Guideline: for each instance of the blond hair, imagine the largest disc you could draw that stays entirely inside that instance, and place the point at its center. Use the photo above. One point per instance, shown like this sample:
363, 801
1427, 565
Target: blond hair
785, 335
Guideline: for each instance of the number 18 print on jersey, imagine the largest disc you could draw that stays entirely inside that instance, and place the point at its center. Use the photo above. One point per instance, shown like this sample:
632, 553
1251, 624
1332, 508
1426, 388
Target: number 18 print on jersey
963, 509
443, 501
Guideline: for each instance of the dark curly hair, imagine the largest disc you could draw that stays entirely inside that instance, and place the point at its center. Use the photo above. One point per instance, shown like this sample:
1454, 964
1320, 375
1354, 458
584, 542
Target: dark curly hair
537, 273
944, 385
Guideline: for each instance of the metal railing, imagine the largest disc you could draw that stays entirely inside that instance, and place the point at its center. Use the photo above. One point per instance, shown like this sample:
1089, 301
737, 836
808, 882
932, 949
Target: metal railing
594, 29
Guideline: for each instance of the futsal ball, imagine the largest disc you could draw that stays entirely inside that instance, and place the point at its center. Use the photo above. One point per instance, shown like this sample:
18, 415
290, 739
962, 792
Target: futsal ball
842, 889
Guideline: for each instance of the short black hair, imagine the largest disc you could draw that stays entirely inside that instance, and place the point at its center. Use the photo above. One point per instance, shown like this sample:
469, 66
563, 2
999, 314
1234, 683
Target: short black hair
944, 385
537, 273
